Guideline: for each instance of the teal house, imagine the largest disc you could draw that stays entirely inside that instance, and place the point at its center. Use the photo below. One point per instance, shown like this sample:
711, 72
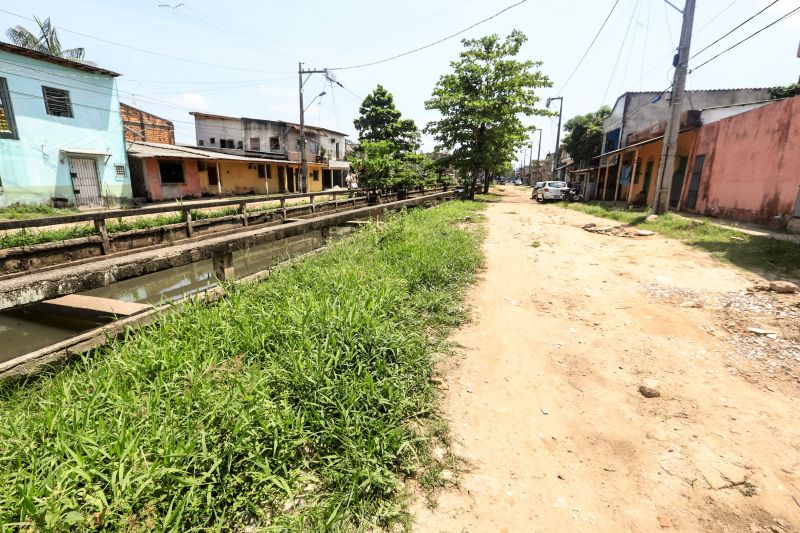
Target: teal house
61, 133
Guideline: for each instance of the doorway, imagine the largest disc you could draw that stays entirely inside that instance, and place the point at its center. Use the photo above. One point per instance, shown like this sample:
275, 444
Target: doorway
85, 181
694, 183
677, 182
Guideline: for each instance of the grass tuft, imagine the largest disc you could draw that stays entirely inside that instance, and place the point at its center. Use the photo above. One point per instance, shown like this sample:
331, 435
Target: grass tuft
760, 254
294, 404
25, 211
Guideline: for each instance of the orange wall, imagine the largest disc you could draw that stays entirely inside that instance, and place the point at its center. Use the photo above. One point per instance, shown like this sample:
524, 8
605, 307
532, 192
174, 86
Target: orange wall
751, 170
241, 177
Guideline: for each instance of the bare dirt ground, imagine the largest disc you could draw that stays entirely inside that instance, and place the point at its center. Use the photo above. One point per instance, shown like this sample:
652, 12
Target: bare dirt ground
544, 402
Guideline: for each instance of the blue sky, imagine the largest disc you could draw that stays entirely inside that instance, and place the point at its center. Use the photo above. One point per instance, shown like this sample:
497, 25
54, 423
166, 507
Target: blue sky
254, 47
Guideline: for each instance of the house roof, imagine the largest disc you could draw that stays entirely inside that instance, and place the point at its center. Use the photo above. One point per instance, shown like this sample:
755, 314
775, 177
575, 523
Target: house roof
313, 129
13, 49
148, 149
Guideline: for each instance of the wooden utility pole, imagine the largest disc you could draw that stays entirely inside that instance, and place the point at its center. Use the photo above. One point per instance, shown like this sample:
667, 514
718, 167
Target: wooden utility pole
666, 165
558, 131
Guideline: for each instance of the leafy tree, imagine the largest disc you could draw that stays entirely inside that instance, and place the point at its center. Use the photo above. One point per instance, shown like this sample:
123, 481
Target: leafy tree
785, 91
380, 167
46, 41
584, 138
380, 120
481, 102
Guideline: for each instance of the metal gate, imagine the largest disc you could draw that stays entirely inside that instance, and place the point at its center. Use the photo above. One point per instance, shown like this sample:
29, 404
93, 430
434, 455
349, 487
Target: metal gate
85, 183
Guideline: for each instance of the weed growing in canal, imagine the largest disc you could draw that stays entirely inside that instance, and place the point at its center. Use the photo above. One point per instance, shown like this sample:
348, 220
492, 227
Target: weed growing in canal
24, 211
298, 403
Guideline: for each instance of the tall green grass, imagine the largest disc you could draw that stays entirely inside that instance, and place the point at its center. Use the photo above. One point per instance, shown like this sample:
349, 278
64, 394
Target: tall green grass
294, 404
761, 254
24, 211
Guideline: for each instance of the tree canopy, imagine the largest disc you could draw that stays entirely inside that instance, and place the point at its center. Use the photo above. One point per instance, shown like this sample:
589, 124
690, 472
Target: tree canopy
380, 120
481, 102
46, 41
584, 138
785, 91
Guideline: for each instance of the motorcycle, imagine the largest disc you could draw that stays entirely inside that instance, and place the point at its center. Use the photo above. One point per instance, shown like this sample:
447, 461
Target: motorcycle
572, 194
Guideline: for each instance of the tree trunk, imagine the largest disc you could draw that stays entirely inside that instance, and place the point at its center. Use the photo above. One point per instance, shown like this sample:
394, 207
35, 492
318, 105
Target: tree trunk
485, 182
473, 184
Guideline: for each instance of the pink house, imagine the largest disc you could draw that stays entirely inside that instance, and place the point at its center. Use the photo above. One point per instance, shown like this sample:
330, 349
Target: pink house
747, 166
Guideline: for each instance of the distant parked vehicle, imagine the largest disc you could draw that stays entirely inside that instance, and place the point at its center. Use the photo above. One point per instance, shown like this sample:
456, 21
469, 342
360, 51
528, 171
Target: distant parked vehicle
517, 181
536, 186
551, 190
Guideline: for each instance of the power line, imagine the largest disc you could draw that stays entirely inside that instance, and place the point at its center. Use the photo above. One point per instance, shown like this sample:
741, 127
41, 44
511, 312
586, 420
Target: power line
619, 54
588, 49
787, 15
734, 29
512, 6
144, 51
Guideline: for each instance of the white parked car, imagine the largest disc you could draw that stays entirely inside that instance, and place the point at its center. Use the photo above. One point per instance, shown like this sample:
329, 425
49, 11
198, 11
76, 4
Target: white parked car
551, 190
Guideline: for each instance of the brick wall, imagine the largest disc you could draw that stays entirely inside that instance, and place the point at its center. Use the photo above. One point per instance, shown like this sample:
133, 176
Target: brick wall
142, 126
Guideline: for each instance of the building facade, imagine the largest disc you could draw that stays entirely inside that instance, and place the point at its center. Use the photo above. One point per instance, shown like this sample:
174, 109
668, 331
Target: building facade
141, 126
61, 140
273, 139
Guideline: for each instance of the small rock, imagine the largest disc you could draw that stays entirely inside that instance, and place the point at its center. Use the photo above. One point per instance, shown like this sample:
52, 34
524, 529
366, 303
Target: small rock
651, 218
691, 303
589, 225
545, 411
648, 392
783, 287
644, 233
446, 475
763, 332
664, 522
439, 454
560, 476
738, 239
439, 382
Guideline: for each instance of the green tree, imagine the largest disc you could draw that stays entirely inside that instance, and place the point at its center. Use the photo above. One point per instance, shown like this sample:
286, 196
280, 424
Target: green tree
46, 41
481, 102
380, 167
380, 120
584, 136
785, 91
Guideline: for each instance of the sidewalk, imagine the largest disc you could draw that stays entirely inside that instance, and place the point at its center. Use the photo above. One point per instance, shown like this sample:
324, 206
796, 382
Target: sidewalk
750, 229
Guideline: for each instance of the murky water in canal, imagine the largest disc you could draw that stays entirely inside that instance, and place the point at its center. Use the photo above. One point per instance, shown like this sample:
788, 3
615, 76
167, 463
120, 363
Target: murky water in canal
24, 331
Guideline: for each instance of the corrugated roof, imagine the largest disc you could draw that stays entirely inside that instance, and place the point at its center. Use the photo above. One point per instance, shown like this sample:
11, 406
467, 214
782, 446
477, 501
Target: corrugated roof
55, 59
148, 149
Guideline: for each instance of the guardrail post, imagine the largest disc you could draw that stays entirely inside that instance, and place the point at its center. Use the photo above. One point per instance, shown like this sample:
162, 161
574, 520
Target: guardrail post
187, 218
100, 226
283, 208
243, 213
223, 266
311, 198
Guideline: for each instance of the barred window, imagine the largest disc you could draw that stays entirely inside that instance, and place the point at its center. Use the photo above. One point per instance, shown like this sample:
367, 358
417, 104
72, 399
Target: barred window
8, 128
57, 102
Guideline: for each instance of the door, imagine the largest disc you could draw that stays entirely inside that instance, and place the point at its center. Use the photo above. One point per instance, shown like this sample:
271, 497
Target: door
290, 178
694, 184
677, 182
85, 182
213, 177
281, 179
648, 175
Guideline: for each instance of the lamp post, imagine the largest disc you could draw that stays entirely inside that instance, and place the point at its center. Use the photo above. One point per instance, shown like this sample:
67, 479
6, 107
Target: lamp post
558, 132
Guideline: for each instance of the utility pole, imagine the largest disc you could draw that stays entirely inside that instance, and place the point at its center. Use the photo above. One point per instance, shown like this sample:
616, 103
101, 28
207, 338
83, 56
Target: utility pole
538, 161
667, 163
303, 158
558, 132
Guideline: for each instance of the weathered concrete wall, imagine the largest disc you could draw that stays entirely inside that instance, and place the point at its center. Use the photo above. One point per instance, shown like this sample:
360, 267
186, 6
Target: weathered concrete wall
752, 164
156, 190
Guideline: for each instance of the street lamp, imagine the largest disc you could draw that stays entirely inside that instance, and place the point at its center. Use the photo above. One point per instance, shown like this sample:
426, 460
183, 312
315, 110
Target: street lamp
323, 93
558, 132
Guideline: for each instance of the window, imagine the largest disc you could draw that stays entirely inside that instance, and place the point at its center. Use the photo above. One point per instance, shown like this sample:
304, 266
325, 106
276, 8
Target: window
274, 143
57, 103
315, 175
255, 144
171, 171
239, 145
314, 147
200, 142
8, 128
212, 140
201, 166
119, 170
261, 172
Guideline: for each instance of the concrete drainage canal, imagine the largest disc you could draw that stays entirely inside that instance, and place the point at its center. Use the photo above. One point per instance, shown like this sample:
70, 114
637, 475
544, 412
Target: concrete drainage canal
30, 328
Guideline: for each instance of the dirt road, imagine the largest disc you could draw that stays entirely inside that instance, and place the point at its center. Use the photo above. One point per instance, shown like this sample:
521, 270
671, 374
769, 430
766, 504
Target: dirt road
544, 402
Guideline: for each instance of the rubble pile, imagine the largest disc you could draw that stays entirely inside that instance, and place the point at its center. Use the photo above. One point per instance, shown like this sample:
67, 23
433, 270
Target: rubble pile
621, 230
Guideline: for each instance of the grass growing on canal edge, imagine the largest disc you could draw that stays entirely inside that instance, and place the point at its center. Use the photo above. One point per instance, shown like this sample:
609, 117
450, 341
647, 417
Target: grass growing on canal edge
296, 403
24, 212
752, 252
26, 237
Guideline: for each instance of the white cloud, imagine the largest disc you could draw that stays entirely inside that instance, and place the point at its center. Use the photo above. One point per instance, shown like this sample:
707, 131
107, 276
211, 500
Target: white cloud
193, 101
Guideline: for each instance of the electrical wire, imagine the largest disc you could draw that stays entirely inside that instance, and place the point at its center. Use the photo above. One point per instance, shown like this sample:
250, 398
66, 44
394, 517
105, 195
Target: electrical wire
619, 54
429, 45
588, 49
787, 15
151, 52
734, 29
